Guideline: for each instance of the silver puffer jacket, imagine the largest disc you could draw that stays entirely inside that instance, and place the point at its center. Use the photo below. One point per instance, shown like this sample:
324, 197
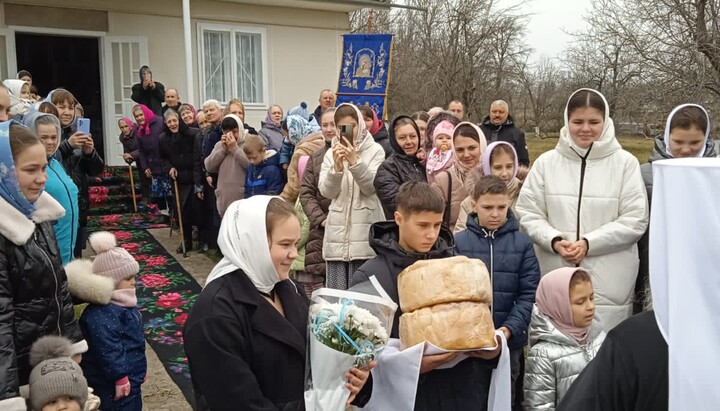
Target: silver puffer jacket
554, 361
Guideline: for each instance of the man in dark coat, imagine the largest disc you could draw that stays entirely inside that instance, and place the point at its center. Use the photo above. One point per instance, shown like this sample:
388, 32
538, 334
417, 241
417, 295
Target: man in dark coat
402, 167
417, 234
149, 92
500, 126
172, 100
629, 373
327, 99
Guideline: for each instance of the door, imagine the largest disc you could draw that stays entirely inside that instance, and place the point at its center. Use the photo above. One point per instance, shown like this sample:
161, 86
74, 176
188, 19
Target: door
122, 59
70, 62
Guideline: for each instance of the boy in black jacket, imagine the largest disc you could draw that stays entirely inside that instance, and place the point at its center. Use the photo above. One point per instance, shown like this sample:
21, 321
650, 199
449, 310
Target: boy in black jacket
418, 234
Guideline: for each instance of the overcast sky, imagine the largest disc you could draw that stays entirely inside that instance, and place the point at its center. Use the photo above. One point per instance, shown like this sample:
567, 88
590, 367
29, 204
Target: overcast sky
548, 20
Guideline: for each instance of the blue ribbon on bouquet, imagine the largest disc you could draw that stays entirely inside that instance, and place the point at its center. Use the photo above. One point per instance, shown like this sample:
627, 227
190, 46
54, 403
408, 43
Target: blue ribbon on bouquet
367, 345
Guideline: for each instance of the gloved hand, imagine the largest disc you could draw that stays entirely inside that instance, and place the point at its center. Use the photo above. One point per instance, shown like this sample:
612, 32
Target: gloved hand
122, 388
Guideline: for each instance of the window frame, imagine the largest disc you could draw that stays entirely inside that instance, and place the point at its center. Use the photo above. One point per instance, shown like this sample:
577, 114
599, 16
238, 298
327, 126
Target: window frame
234, 30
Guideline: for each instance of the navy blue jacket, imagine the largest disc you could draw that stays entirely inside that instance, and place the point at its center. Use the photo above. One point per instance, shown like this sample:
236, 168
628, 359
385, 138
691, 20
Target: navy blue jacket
514, 271
265, 179
116, 345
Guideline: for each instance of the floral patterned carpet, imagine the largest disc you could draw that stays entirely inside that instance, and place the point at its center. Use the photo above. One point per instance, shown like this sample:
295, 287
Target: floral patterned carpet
166, 293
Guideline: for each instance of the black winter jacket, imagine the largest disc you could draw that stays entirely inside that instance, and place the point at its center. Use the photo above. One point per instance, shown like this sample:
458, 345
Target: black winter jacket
629, 373
242, 353
394, 171
508, 132
462, 387
514, 270
178, 151
34, 297
316, 208
79, 167
151, 98
383, 138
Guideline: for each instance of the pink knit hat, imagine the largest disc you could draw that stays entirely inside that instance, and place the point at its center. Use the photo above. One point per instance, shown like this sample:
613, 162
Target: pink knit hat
111, 261
445, 127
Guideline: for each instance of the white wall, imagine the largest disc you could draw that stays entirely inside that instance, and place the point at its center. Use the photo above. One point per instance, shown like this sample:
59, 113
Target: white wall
304, 46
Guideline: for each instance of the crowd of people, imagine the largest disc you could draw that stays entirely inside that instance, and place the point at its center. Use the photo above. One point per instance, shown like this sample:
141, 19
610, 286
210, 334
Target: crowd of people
338, 196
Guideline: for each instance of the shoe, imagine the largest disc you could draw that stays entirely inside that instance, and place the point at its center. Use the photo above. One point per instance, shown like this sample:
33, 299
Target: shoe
203, 248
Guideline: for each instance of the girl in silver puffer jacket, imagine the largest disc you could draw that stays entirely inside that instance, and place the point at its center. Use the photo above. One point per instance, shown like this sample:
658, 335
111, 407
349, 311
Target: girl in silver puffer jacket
564, 336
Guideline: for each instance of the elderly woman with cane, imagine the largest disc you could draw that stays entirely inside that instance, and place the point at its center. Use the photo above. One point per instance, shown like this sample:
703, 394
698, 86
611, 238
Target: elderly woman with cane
177, 150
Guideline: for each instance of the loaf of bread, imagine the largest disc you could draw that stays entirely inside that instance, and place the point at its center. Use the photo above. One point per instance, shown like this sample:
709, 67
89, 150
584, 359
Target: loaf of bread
452, 326
430, 282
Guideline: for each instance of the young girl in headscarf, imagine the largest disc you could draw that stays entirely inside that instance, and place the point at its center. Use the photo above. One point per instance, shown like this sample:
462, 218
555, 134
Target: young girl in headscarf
564, 336
499, 160
441, 156
20, 97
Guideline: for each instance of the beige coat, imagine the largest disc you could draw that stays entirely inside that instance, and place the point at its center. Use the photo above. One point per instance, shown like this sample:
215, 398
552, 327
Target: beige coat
231, 167
354, 205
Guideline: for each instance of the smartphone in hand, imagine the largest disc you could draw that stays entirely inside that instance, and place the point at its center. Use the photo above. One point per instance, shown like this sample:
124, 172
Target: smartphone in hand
83, 125
346, 130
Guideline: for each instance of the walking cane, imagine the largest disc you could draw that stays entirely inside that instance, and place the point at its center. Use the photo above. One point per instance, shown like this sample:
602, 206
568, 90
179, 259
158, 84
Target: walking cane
179, 214
132, 187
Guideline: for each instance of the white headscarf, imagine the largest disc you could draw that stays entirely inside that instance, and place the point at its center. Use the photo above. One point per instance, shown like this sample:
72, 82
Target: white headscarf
701, 153
244, 243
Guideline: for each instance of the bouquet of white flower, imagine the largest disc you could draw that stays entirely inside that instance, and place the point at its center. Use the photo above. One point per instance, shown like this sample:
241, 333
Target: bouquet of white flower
345, 330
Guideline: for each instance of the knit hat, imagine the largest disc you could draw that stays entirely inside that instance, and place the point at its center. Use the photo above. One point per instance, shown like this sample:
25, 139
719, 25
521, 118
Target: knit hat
445, 127
54, 373
112, 261
300, 110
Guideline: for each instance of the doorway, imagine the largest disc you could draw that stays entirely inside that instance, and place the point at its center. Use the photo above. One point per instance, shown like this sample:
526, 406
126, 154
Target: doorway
72, 63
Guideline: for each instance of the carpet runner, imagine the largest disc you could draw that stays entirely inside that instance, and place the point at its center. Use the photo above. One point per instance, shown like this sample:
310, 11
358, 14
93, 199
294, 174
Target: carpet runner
166, 293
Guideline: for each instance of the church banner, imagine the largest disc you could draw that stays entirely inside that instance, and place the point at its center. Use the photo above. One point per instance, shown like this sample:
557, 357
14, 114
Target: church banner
365, 71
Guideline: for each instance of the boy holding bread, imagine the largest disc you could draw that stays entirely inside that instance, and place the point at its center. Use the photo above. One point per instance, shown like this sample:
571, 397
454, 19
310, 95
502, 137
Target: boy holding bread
417, 234
493, 236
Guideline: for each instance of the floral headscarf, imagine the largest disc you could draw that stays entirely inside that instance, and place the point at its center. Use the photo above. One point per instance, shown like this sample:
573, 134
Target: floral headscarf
299, 128
9, 184
149, 115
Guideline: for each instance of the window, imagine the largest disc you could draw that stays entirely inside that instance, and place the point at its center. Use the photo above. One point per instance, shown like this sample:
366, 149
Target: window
233, 63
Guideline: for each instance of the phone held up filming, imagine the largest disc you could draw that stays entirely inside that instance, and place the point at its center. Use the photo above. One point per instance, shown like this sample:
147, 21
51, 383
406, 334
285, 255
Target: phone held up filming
346, 134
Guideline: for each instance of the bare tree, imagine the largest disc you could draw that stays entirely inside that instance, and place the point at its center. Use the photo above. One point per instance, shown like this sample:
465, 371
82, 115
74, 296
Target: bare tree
471, 50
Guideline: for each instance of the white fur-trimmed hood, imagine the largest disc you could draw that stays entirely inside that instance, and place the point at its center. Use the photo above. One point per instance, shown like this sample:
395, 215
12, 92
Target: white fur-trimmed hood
86, 285
17, 228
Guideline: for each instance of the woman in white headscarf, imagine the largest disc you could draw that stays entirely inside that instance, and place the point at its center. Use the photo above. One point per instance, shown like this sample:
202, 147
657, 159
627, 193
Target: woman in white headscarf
584, 205
245, 337
346, 178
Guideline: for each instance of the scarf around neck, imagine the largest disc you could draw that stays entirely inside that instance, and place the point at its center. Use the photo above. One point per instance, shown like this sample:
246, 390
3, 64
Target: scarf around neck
9, 185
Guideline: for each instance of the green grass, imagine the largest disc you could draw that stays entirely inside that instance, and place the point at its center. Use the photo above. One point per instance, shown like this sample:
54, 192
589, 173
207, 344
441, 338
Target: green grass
638, 146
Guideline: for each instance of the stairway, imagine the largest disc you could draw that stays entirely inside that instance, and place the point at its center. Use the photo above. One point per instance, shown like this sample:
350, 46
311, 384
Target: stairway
111, 203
